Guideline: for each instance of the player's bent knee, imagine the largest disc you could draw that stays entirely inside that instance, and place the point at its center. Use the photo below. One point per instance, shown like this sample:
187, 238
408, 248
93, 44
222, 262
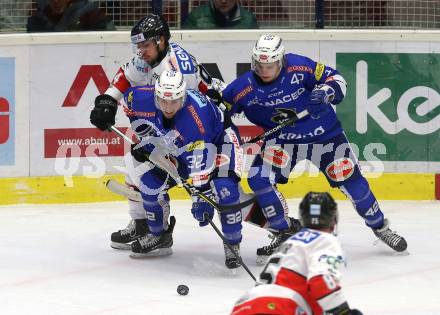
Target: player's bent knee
258, 183
226, 190
356, 189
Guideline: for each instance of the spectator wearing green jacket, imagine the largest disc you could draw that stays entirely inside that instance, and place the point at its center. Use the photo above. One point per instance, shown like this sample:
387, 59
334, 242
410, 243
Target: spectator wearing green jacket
220, 14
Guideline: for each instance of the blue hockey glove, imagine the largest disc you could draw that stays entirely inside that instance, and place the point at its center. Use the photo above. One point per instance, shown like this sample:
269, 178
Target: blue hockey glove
199, 207
320, 100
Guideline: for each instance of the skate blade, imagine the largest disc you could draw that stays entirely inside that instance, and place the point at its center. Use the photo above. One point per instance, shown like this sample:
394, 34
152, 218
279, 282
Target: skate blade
396, 253
122, 246
261, 260
154, 253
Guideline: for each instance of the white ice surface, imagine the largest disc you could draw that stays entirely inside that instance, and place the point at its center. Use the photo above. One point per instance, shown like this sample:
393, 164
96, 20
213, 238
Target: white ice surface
56, 259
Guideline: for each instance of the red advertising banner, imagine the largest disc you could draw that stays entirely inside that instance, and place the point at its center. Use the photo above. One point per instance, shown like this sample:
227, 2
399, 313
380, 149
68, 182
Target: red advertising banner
4, 120
82, 142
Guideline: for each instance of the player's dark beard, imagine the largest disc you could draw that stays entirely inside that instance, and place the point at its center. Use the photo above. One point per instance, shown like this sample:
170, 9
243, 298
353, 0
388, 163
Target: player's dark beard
160, 54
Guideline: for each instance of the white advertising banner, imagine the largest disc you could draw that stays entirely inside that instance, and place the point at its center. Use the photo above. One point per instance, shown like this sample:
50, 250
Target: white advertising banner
63, 88
48, 89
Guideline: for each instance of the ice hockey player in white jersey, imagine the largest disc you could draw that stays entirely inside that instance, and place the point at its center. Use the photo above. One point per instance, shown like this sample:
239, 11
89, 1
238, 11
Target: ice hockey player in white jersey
154, 54
303, 276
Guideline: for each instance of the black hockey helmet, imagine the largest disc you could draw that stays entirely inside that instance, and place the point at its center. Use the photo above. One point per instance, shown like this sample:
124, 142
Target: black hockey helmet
150, 27
318, 210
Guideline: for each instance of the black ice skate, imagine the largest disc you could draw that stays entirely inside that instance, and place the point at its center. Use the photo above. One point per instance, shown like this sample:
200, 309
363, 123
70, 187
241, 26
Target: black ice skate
122, 239
391, 238
151, 245
278, 238
231, 261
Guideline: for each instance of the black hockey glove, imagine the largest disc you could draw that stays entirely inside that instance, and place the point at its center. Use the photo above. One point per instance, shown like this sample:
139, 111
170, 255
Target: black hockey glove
139, 154
214, 95
104, 112
356, 312
217, 98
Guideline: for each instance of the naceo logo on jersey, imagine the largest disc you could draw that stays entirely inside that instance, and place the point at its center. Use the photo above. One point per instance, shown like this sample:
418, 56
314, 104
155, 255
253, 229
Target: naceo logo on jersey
285, 99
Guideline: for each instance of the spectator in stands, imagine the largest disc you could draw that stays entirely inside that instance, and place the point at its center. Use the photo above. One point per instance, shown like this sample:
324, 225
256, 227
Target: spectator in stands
220, 14
69, 15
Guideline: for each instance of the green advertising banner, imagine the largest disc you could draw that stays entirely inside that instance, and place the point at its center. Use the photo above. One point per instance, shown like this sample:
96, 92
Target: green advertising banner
392, 99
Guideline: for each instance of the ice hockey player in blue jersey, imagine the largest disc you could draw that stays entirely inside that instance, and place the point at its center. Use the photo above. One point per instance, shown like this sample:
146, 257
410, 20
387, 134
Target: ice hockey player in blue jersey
279, 86
187, 127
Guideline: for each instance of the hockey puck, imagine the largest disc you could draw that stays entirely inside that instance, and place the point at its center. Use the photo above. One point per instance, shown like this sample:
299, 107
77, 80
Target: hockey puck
182, 289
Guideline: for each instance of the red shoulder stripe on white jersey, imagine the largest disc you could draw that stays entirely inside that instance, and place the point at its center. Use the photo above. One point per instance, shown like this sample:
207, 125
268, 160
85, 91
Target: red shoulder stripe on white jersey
120, 81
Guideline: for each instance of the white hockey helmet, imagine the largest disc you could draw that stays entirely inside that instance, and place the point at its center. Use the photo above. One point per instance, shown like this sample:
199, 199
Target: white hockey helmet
170, 91
268, 49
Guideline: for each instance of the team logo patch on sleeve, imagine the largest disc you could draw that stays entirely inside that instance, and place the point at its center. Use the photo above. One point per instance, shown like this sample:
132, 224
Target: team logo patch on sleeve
196, 145
130, 98
319, 70
340, 169
276, 156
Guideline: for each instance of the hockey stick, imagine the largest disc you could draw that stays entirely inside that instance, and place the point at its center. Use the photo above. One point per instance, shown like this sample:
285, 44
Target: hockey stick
216, 229
251, 214
191, 190
290, 121
167, 166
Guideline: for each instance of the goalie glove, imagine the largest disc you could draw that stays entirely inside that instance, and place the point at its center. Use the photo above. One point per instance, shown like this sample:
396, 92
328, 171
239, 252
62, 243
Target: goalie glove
320, 100
104, 112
